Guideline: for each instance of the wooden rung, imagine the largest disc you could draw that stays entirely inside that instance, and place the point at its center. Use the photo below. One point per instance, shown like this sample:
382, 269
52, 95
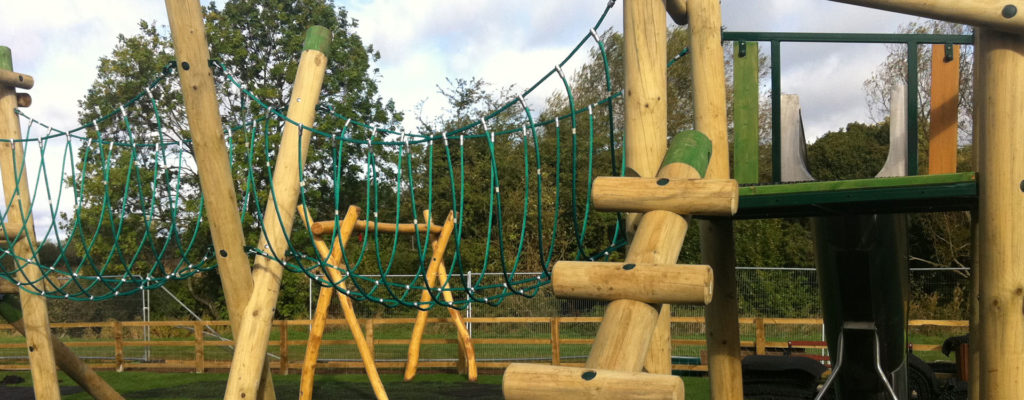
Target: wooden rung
7, 287
20, 81
24, 100
677, 10
325, 227
11, 230
540, 382
710, 197
648, 283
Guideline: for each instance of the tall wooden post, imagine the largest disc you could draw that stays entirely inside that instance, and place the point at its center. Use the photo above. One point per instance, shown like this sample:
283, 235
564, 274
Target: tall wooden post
19, 205
250, 354
716, 236
646, 113
192, 53
999, 144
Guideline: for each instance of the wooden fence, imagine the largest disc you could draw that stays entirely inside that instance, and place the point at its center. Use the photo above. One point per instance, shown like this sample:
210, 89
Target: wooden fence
113, 342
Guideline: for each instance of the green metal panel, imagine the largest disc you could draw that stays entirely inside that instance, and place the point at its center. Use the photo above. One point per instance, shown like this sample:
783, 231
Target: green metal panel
912, 107
745, 112
776, 111
897, 194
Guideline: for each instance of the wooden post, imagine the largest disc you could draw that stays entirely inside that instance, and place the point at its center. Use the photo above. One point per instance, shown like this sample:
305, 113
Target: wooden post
192, 54
200, 346
716, 236
250, 353
999, 59
316, 335
19, 209
66, 359
118, 345
942, 131
759, 336
556, 342
283, 348
369, 337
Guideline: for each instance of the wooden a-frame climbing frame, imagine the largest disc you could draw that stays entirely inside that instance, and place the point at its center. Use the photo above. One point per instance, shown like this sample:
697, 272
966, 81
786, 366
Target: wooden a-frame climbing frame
316, 334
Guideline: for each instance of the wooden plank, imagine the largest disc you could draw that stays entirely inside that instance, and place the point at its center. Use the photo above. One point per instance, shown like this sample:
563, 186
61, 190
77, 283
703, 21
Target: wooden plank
18, 202
759, 336
745, 112
200, 347
250, 354
945, 95
556, 353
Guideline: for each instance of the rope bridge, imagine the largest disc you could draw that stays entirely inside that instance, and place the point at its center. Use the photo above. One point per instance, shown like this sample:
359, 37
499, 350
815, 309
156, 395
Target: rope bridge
120, 210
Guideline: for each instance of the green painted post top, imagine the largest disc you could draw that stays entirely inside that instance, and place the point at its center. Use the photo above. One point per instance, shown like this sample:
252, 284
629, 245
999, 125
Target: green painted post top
6, 62
10, 310
690, 147
317, 38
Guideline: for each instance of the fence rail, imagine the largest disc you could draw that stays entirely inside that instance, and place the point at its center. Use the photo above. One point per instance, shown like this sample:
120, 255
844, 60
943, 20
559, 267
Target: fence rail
195, 343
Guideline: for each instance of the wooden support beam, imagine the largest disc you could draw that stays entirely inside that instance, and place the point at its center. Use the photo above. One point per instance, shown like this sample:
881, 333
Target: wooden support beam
24, 100
19, 208
14, 79
717, 246
191, 51
649, 283
467, 355
999, 97
326, 227
319, 322
945, 96
1000, 15
677, 10
704, 197
250, 352
550, 382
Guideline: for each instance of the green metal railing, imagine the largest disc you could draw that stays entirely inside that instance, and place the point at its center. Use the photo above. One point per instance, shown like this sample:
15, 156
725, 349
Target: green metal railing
910, 40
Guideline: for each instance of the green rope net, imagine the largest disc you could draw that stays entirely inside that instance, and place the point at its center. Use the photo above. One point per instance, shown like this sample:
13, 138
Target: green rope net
122, 211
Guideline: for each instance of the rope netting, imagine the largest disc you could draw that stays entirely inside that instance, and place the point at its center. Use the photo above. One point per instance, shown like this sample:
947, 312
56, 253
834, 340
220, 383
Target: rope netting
118, 207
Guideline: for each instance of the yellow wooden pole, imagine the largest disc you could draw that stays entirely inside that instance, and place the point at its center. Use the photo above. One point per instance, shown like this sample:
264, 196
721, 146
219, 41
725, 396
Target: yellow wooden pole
717, 247
19, 210
200, 94
250, 353
999, 99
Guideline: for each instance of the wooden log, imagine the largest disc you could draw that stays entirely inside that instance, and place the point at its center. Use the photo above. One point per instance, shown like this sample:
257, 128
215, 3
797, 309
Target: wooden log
682, 196
250, 353
467, 355
649, 283
13, 79
548, 382
645, 97
316, 335
556, 342
677, 10
19, 205
999, 59
717, 247
942, 131
325, 227
66, 360
999, 15
24, 100
413, 353
215, 180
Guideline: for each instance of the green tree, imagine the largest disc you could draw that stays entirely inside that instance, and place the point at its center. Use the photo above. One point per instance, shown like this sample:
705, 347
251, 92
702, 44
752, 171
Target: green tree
115, 184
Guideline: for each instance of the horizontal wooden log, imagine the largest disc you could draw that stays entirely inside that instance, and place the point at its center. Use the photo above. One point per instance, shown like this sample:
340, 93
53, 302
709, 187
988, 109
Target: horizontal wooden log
540, 382
648, 283
6, 287
677, 10
20, 81
710, 197
998, 15
24, 100
325, 227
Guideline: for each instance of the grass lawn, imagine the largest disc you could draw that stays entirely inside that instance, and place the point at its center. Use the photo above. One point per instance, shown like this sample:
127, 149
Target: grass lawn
156, 385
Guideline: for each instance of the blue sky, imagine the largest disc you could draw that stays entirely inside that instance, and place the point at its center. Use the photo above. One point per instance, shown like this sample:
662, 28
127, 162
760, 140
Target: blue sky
423, 42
